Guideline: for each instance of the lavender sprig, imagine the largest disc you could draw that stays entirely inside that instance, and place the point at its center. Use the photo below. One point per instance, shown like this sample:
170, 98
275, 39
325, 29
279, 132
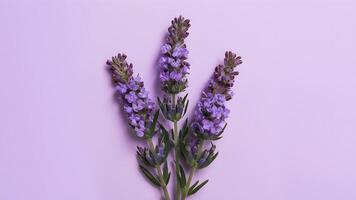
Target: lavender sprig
174, 69
209, 121
140, 111
211, 112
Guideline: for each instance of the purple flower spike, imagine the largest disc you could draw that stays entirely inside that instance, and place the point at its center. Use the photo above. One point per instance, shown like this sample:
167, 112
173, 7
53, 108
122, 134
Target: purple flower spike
138, 107
211, 113
174, 66
166, 48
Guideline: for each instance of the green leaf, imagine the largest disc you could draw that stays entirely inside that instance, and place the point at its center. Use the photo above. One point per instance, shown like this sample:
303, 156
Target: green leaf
193, 186
172, 134
183, 180
166, 173
218, 135
184, 131
162, 107
185, 108
185, 98
165, 170
209, 161
153, 126
196, 189
166, 180
150, 176
184, 152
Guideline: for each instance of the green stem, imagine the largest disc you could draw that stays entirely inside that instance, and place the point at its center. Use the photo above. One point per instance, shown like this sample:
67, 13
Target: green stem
176, 148
159, 172
191, 173
186, 188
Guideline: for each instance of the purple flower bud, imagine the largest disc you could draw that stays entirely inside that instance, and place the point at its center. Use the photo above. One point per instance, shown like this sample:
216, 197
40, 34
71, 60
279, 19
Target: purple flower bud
180, 51
131, 97
170, 61
163, 60
143, 93
127, 109
175, 63
165, 48
133, 85
138, 105
164, 76
150, 104
133, 119
207, 125
139, 132
185, 69
175, 76
121, 88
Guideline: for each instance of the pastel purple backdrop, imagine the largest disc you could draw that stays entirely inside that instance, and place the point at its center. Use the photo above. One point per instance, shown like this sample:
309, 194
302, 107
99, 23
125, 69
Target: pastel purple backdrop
292, 130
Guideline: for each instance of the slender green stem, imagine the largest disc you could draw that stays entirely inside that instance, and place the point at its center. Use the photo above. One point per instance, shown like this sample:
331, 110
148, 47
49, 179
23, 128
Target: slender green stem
186, 188
159, 172
192, 172
176, 148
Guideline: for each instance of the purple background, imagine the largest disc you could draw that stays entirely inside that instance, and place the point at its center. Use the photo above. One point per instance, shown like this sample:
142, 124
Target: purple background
291, 134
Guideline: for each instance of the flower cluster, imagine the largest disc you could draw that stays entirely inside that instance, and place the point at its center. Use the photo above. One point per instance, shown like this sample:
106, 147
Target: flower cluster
160, 151
138, 107
210, 115
174, 66
196, 155
173, 111
224, 76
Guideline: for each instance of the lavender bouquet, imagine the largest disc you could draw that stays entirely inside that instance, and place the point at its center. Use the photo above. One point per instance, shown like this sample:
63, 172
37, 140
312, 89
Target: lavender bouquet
190, 147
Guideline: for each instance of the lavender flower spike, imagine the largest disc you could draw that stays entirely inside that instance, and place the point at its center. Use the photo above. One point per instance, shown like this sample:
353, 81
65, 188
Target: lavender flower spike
211, 113
138, 107
174, 66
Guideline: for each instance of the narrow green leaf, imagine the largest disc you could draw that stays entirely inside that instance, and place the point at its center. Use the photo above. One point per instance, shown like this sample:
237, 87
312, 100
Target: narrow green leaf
223, 129
153, 126
150, 176
183, 180
165, 170
168, 177
216, 138
196, 189
193, 186
185, 108
178, 175
209, 161
185, 98
162, 107
184, 131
